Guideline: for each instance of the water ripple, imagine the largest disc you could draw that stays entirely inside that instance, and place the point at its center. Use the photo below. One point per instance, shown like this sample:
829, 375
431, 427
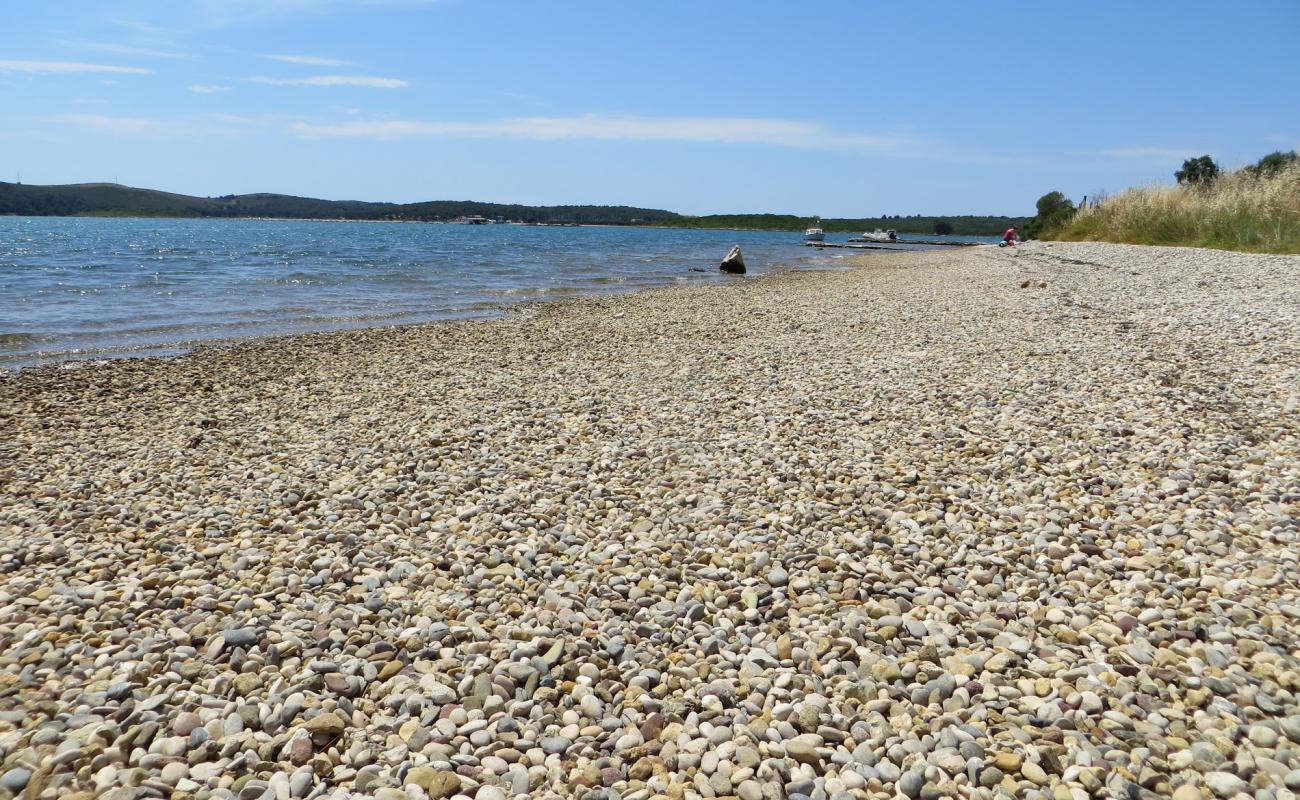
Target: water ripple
77, 286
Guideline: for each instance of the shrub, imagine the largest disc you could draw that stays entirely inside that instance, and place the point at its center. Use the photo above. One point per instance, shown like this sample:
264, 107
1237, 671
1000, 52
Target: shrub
1201, 170
1273, 163
1054, 211
1256, 209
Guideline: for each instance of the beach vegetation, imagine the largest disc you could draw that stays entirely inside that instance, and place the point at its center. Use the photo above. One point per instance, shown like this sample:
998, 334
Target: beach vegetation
1198, 171
1255, 209
1273, 163
1054, 211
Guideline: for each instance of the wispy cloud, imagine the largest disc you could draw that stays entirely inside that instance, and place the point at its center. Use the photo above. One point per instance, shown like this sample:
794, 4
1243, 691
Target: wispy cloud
787, 133
208, 88
66, 66
125, 49
315, 61
145, 30
1153, 153
226, 13
156, 127
236, 13
337, 80
116, 125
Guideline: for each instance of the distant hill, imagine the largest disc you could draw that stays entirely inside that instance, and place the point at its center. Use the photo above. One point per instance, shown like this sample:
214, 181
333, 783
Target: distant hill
111, 199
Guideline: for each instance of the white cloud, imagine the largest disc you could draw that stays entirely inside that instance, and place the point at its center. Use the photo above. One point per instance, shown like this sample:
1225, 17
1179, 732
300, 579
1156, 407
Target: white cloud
224, 13
315, 61
125, 49
246, 120
66, 66
116, 125
208, 88
788, 133
228, 13
201, 127
337, 80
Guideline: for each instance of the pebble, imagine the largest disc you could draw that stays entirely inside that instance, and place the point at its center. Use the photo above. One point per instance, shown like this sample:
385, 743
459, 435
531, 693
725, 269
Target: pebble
1225, 784
1262, 736
910, 784
240, 637
803, 748
1033, 773
15, 779
892, 530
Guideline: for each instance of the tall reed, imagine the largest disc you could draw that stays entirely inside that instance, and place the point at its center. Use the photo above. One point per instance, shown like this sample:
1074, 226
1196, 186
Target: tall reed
1239, 211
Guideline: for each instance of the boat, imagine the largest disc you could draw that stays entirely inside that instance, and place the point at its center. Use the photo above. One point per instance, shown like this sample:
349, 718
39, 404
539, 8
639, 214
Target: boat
474, 219
877, 235
814, 233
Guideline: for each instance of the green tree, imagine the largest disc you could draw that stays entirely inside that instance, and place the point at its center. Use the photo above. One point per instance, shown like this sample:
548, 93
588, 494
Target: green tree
1200, 171
1054, 210
1273, 163
943, 228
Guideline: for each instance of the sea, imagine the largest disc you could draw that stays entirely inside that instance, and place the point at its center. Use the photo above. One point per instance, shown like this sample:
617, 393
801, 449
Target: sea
85, 288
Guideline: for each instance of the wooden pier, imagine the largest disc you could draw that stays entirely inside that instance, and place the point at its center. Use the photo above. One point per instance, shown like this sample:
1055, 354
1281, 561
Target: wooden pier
889, 245
940, 242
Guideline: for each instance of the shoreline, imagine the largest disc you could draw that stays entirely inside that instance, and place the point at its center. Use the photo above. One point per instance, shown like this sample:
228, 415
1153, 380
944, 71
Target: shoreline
941, 524
506, 311
793, 230
167, 350
35, 338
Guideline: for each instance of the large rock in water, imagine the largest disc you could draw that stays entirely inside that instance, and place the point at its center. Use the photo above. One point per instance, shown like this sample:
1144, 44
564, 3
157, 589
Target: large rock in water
734, 262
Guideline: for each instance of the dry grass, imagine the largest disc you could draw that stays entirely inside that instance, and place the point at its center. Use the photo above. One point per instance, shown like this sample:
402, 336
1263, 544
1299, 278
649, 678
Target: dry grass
1238, 212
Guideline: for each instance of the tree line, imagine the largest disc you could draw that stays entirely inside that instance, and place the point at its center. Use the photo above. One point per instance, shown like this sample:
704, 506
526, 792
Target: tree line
114, 200
104, 199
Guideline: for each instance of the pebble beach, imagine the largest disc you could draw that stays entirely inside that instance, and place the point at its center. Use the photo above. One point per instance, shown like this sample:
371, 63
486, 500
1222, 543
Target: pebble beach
992, 523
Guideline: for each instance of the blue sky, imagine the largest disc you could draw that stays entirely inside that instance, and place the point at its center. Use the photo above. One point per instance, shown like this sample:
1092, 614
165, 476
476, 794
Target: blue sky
835, 108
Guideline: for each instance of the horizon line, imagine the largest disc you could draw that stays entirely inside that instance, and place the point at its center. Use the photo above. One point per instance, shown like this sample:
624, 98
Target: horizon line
823, 217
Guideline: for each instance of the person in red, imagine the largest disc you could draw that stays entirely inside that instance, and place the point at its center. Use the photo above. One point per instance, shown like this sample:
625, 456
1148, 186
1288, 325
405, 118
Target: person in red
1009, 238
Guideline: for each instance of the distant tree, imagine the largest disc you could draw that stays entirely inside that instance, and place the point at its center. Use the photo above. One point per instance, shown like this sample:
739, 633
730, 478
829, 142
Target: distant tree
1273, 163
1054, 210
1201, 170
1054, 204
943, 228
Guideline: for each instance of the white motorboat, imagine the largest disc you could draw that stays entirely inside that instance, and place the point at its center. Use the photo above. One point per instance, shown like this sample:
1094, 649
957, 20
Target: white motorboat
814, 233
878, 235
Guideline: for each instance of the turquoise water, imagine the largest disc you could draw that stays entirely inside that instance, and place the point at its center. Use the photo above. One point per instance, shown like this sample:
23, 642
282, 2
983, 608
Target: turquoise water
75, 288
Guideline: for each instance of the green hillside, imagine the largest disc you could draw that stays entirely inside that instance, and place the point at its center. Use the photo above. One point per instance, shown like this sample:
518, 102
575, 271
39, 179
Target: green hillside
115, 200
111, 199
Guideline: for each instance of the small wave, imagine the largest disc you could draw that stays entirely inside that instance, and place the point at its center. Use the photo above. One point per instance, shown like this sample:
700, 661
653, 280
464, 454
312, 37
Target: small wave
292, 279
16, 339
102, 284
535, 291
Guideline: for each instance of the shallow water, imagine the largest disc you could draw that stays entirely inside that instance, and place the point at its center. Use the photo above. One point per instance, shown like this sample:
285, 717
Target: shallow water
75, 288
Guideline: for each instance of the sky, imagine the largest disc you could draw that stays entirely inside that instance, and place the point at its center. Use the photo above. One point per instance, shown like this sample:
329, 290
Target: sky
841, 109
